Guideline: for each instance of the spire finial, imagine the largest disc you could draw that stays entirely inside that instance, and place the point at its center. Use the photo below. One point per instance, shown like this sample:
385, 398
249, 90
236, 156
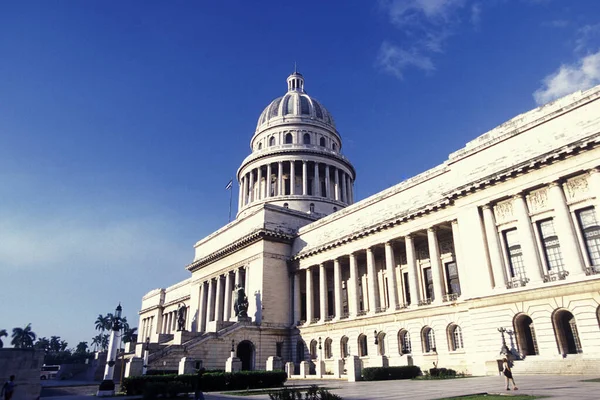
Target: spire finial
295, 67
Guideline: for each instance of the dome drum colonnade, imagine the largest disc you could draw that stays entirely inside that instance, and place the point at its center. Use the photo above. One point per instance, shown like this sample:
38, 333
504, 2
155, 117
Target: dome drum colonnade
296, 161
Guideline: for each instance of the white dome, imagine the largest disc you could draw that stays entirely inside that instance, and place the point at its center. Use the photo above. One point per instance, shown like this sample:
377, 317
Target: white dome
294, 104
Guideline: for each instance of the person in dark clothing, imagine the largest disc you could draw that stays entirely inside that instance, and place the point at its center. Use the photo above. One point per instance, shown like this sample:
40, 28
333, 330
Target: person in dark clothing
198, 385
9, 388
508, 375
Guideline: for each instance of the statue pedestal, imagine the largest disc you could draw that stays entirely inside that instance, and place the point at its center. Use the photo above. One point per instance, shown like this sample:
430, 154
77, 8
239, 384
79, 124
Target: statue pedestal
181, 337
289, 369
187, 365
134, 367
244, 319
353, 368
338, 368
274, 363
320, 368
233, 364
304, 369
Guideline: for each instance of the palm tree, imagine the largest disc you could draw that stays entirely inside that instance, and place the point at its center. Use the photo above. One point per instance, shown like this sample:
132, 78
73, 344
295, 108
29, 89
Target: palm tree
43, 344
63, 345
129, 335
104, 341
55, 344
124, 324
81, 347
97, 341
2, 333
23, 337
101, 322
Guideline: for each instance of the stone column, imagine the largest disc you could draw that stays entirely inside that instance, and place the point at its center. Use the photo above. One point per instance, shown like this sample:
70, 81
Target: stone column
327, 179
353, 302
245, 200
297, 312
219, 300
317, 183
241, 193
337, 288
202, 308
251, 188
323, 292
434, 260
210, 303
390, 268
227, 296
304, 178
495, 251
292, 177
269, 180
349, 189
372, 281
527, 239
259, 194
594, 188
309, 296
460, 260
336, 177
344, 192
567, 237
280, 188
413, 273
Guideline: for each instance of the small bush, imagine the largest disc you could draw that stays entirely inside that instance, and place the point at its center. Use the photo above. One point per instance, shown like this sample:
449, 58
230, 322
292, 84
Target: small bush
312, 393
442, 373
107, 385
390, 373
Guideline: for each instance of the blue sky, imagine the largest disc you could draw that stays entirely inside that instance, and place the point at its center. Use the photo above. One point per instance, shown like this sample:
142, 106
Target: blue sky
122, 122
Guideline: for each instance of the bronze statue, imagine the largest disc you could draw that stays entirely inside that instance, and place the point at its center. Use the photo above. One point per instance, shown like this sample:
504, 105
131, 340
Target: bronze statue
241, 303
181, 317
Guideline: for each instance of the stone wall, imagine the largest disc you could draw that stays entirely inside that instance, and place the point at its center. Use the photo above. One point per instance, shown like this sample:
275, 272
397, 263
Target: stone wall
26, 365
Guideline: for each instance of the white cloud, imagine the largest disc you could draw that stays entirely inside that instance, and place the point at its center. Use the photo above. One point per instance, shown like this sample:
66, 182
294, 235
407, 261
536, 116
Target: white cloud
395, 60
557, 23
569, 78
408, 12
476, 14
586, 35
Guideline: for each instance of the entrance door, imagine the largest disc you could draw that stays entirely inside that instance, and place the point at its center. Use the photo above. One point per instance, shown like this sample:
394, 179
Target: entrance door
245, 352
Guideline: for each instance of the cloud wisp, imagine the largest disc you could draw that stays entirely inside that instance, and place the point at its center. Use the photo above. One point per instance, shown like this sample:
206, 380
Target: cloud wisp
581, 75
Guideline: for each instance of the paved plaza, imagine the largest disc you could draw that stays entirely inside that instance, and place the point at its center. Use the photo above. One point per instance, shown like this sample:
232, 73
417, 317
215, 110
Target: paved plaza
554, 387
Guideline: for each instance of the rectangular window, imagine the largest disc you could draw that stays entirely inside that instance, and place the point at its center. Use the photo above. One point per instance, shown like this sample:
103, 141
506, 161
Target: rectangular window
428, 277
406, 288
515, 254
452, 278
551, 246
588, 224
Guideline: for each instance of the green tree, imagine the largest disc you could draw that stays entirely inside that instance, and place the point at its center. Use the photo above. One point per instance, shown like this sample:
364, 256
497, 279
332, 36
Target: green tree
55, 344
42, 344
63, 345
101, 323
97, 341
2, 333
129, 335
104, 341
23, 337
81, 347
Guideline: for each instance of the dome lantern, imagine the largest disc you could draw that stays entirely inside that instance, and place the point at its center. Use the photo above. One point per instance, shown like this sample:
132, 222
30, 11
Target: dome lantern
295, 82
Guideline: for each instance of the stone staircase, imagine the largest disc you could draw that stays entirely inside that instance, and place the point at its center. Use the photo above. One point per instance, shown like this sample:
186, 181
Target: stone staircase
570, 365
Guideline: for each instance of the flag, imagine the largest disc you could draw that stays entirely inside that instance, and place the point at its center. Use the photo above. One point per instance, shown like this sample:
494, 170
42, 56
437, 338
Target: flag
229, 185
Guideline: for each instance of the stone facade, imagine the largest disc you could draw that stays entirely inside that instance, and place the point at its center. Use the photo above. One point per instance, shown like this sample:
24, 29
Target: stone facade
499, 242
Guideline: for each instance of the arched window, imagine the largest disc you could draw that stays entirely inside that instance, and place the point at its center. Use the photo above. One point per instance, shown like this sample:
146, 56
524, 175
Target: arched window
300, 351
322, 142
428, 339
272, 141
404, 346
565, 330
328, 349
306, 138
381, 343
362, 346
313, 349
312, 207
344, 351
525, 334
455, 339
259, 145
333, 147
289, 138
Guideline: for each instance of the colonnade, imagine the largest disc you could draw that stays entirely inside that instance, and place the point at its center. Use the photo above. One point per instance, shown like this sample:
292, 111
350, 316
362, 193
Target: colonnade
146, 328
282, 179
169, 320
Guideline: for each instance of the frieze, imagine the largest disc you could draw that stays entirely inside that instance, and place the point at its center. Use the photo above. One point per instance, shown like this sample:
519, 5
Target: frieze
503, 211
576, 188
538, 200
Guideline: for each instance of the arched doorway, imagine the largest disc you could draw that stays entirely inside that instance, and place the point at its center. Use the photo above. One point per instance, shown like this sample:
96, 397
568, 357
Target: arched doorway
565, 330
525, 334
245, 352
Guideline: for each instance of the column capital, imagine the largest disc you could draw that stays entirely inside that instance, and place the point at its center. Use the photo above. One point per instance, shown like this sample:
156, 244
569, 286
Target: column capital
484, 207
388, 243
454, 222
409, 236
594, 170
517, 196
432, 229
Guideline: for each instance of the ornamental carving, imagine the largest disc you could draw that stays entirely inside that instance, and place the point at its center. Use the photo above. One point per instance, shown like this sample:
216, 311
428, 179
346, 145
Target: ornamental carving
504, 211
576, 188
538, 200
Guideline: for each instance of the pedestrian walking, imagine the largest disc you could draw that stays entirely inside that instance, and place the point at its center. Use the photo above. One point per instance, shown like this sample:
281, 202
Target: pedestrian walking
508, 375
198, 385
8, 388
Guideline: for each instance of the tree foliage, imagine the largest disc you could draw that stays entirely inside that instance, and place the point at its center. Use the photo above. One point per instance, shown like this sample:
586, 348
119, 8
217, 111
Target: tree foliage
23, 338
2, 333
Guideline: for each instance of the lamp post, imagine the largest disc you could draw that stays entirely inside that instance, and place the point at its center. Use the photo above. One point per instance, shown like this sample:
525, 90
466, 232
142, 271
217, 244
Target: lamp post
146, 351
107, 386
504, 349
320, 347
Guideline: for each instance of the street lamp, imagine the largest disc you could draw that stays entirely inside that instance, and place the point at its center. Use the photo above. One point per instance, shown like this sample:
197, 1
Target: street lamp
376, 337
146, 351
107, 386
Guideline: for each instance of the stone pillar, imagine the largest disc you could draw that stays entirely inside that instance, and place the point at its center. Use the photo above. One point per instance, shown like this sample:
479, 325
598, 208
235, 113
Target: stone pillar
297, 308
233, 364
353, 369
413, 272
292, 177
372, 280
344, 192
390, 269
280, 188
353, 303
289, 369
323, 292
210, 304
527, 239
351, 190
251, 188
259, 192
304, 369
134, 367
227, 297
317, 183
304, 178
274, 363
336, 178
327, 179
434, 260
245, 200
187, 365
319, 368
309, 296
493, 243
202, 309
337, 288
268, 181
567, 237
219, 300
460, 260
338, 368
241, 194
594, 189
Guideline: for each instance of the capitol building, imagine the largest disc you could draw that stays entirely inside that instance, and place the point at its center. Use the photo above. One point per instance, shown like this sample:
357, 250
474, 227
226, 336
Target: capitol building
494, 251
